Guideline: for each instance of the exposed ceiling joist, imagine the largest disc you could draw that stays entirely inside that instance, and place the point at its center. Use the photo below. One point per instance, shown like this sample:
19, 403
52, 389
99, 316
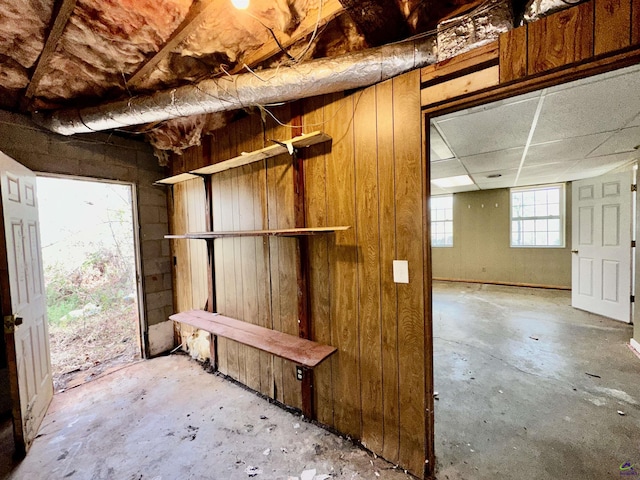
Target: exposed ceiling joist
61, 19
197, 14
330, 10
380, 21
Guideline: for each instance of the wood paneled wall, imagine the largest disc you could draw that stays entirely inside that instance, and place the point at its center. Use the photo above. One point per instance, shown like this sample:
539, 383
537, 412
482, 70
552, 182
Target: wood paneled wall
372, 176
590, 38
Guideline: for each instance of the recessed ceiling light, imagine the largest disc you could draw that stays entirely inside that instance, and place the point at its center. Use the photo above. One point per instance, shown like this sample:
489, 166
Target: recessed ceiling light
240, 4
494, 175
450, 182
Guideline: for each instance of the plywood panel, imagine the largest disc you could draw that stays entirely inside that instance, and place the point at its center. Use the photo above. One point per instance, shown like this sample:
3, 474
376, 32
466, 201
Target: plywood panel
343, 260
513, 54
389, 327
316, 216
261, 245
612, 22
411, 325
368, 241
635, 22
560, 39
457, 87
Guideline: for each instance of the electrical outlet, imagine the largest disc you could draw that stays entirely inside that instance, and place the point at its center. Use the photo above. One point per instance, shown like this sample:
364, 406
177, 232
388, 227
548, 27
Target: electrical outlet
299, 373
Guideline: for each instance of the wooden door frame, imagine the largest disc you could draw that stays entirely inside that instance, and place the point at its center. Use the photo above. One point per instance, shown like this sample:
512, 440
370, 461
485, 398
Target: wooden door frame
525, 59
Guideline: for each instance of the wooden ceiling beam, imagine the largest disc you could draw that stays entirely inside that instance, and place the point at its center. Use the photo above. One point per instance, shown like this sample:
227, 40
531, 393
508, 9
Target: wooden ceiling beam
196, 16
330, 10
380, 21
60, 22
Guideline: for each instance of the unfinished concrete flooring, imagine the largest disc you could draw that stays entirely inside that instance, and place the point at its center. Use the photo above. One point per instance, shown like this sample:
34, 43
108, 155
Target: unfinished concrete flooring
167, 419
530, 388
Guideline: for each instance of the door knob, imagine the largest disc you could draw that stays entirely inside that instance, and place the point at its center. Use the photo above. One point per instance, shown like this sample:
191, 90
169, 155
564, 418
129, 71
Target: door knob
574, 251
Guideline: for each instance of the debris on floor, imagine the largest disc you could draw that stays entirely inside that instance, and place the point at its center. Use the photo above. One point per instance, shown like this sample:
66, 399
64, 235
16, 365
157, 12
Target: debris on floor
253, 471
593, 375
621, 413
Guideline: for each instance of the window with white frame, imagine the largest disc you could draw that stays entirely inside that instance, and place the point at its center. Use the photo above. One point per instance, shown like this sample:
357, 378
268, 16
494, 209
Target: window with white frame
442, 221
537, 216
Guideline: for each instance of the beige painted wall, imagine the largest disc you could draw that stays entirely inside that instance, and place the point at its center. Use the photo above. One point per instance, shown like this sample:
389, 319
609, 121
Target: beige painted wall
481, 245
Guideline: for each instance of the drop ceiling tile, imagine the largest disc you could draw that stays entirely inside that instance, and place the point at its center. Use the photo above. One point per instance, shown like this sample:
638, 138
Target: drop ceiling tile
594, 166
596, 78
599, 106
439, 149
489, 130
560, 151
465, 188
493, 161
623, 141
446, 168
435, 190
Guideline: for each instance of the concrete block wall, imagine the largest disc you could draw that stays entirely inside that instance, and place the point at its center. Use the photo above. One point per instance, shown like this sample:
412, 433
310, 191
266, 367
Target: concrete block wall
108, 157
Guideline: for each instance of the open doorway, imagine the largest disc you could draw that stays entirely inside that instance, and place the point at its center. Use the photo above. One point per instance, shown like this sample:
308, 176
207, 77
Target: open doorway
526, 382
89, 260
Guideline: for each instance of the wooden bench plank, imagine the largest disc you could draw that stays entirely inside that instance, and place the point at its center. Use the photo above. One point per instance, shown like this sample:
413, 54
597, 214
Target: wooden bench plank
298, 350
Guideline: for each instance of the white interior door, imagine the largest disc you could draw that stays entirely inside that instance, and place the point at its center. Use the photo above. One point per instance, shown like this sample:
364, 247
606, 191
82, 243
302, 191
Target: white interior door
601, 245
24, 302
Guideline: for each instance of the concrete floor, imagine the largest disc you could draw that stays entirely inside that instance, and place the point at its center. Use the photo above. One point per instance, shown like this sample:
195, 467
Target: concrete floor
514, 402
166, 419
515, 398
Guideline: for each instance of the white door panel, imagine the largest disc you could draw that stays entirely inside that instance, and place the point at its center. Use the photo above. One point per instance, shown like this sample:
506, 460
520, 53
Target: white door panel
601, 236
23, 298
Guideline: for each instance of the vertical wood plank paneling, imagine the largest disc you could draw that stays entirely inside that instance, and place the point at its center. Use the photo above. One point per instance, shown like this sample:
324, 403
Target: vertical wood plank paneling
342, 261
249, 269
560, 39
428, 315
316, 214
274, 171
262, 255
368, 241
218, 264
386, 189
243, 219
513, 54
635, 22
196, 221
228, 249
411, 327
612, 21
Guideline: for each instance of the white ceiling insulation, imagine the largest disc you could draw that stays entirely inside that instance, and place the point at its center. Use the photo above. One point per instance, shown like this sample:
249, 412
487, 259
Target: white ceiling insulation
582, 129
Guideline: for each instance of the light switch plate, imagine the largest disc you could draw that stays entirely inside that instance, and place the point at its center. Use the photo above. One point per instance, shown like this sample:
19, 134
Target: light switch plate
401, 271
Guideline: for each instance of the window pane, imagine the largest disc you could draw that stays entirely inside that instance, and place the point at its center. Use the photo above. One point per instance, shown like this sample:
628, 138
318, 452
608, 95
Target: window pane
542, 221
541, 210
528, 198
541, 238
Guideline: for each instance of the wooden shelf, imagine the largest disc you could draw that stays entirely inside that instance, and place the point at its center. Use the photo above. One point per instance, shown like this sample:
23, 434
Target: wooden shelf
287, 146
298, 350
287, 232
181, 177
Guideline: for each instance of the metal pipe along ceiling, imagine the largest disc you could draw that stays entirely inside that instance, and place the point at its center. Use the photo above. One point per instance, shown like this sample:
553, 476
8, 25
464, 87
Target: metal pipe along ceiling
232, 92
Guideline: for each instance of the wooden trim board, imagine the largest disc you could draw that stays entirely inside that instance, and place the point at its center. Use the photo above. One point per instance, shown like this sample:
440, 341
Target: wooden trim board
181, 177
284, 232
298, 350
302, 141
287, 146
506, 284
